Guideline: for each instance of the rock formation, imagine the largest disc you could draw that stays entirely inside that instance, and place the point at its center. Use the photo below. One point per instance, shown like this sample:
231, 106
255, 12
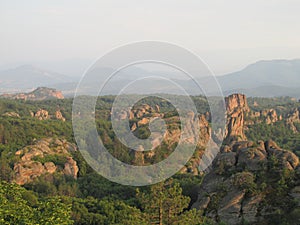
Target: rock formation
226, 193
236, 107
142, 115
43, 114
271, 116
59, 116
292, 118
11, 114
268, 116
41, 93
44, 156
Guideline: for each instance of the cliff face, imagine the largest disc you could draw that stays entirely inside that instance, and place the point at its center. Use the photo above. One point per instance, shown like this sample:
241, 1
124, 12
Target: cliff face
244, 181
41, 93
236, 108
251, 182
47, 155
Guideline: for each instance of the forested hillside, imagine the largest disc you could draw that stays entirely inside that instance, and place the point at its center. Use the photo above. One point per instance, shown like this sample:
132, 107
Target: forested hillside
45, 179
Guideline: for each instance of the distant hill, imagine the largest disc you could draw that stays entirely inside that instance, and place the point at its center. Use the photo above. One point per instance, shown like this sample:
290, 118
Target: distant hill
41, 93
263, 78
267, 78
284, 73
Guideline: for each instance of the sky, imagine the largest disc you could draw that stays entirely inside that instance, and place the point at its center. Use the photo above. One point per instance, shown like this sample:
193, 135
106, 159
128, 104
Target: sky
68, 35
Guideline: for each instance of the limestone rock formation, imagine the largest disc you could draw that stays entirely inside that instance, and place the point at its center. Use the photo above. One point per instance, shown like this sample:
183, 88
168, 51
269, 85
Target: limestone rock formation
44, 156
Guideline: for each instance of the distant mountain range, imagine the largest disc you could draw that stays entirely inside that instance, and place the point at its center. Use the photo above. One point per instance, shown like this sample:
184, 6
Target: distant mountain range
263, 78
27, 78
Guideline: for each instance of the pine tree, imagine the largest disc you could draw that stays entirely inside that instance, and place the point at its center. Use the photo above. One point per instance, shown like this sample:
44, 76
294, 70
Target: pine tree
165, 204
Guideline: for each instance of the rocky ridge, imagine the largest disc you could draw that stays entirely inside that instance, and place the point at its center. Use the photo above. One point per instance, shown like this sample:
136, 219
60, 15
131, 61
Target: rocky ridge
39, 94
48, 155
244, 177
230, 191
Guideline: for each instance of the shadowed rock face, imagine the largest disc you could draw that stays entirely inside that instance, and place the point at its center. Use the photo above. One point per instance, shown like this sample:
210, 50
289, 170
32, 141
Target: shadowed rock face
226, 193
47, 155
236, 107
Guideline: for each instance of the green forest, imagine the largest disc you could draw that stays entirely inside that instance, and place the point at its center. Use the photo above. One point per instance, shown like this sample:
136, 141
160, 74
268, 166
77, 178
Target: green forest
91, 199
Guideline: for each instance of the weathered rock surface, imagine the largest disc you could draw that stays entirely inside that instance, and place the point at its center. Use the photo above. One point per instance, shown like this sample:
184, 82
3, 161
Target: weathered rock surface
236, 107
225, 193
33, 160
292, 118
43, 114
59, 116
199, 134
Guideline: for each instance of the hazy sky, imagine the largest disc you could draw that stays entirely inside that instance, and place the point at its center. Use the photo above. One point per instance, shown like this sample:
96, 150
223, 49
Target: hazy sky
227, 34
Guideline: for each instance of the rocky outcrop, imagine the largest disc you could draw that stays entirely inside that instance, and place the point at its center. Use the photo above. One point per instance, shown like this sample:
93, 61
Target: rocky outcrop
71, 168
139, 112
142, 115
41, 93
47, 155
271, 116
58, 115
236, 107
268, 116
230, 206
292, 118
43, 114
227, 191
11, 114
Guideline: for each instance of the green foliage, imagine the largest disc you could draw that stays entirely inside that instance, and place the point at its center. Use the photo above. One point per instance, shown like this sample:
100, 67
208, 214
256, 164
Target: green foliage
246, 181
19, 206
57, 159
279, 132
54, 184
165, 204
95, 211
98, 187
267, 103
190, 185
91, 199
